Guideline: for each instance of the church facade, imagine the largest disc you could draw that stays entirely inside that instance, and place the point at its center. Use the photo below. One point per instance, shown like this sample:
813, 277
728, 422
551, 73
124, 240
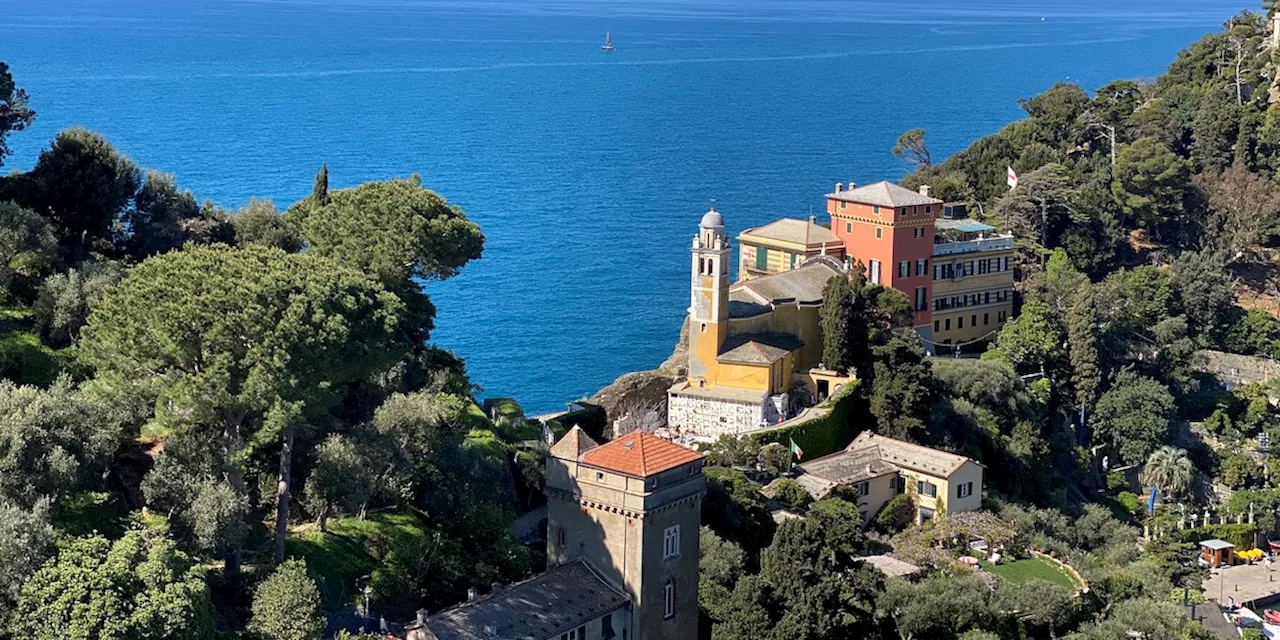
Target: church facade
752, 345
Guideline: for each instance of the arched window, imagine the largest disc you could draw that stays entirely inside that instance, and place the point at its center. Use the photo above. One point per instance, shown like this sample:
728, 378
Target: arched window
702, 265
669, 598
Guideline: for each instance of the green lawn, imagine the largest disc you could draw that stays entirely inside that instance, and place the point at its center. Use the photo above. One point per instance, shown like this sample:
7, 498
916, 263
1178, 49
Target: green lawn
346, 552
1031, 568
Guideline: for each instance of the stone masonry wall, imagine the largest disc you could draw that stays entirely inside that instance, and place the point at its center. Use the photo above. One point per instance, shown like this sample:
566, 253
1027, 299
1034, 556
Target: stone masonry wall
711, 418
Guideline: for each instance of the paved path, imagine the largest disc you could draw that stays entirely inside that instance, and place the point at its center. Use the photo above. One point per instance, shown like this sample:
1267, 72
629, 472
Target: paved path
1244, 582
1211, 617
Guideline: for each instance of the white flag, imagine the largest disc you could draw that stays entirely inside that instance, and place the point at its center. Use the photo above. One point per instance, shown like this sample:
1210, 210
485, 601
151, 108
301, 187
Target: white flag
1013, 179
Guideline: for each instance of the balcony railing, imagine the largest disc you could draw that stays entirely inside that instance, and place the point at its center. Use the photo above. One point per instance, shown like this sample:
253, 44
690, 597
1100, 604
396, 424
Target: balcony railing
971, 246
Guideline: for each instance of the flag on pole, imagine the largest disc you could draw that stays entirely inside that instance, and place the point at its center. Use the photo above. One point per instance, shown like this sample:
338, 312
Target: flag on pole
1013, 178
795, 449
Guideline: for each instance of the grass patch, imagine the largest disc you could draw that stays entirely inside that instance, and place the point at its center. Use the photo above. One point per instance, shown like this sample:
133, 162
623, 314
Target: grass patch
1030, 569
89, 513
350, 550
26, 360
487, 442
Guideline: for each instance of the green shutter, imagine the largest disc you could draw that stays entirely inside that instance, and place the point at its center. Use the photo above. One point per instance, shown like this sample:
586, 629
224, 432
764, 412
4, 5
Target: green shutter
762, 259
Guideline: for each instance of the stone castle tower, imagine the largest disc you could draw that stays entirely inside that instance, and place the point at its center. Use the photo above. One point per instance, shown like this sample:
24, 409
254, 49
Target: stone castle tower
631, 510
709, 304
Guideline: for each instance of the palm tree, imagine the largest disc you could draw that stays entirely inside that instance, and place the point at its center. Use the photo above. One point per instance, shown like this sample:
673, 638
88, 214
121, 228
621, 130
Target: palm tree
1170, 469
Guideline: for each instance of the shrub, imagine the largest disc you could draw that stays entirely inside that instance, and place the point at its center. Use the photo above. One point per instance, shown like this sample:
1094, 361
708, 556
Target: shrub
1116, 483
790, 493
1131, 503
1217, 422
895, 514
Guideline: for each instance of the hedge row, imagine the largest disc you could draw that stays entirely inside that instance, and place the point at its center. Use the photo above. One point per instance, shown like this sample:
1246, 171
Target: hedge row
1241, 535
820, 436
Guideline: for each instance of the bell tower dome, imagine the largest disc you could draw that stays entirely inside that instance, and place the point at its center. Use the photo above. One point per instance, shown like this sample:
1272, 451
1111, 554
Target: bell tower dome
709, 298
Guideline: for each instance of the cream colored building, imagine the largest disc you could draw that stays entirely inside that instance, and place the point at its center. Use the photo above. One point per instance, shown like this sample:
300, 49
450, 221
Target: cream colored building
622, 551
972, 281
877, 468
783, 245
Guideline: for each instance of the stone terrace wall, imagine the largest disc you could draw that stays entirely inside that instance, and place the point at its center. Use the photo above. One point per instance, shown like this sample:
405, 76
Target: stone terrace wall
1234, 369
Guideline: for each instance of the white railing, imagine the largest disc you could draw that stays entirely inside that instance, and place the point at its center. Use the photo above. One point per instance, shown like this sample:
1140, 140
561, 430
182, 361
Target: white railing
971, 246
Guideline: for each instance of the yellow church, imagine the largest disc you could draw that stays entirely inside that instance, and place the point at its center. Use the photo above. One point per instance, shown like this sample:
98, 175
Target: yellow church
755, 348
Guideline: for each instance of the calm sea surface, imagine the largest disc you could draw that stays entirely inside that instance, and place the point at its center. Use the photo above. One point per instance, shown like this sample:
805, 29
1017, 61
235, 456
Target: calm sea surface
588, 171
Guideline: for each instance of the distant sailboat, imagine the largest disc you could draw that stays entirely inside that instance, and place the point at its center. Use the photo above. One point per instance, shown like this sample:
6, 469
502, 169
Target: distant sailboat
608, 42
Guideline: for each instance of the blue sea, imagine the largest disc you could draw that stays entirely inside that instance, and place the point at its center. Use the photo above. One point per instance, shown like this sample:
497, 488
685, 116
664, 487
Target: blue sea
588, 171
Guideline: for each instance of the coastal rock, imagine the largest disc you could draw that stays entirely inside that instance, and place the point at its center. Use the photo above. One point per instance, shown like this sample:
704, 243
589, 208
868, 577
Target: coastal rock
636, 400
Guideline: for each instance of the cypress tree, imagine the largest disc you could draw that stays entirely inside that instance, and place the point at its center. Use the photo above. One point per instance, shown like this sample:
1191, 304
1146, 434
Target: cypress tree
837, 321
1082, 341
320, 190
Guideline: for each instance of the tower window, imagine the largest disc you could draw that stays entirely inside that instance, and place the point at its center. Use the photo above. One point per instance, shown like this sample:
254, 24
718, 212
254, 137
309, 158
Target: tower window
848, 227
704, 327
600, 476
561, 537
879, 233
919, 232
669, 599
875, 209
671, 542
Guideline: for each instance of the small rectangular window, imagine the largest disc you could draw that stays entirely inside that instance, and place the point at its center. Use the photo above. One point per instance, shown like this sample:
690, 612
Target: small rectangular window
904, 269
669, 599
879, 233
928, 208
874, 277
848, 227
762, 259
935, 325
986, 319
600, 476
864, 489
973, 322
875, 209
960, 322
842, 204
948, 324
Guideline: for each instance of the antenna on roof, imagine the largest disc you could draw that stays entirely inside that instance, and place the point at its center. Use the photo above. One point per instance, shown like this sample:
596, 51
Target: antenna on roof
713, 204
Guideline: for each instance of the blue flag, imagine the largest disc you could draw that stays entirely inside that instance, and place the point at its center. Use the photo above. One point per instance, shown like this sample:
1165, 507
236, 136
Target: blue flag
1151, 503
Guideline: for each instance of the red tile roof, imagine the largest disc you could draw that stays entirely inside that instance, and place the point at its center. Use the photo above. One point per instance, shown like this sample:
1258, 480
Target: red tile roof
639, 454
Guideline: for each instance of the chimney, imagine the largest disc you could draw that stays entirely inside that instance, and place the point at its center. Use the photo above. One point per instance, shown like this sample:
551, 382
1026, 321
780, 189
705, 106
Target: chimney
471, 594
839, 187
852, 184
490, 631
813, 220
495, 587
924, 190
422, 617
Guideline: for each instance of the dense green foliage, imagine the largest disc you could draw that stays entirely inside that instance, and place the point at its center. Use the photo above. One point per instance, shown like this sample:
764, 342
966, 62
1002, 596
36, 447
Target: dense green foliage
139, 587
286, 606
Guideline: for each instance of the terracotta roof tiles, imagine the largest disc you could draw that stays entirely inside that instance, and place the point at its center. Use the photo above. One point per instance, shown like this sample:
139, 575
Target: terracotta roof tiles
639, 454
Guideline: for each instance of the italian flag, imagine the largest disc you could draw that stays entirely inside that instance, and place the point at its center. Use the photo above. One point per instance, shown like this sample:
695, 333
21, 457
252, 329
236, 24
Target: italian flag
795, 449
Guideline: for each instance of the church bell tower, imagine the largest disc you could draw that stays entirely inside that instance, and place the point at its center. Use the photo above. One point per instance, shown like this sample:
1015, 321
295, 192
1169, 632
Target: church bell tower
709, 304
